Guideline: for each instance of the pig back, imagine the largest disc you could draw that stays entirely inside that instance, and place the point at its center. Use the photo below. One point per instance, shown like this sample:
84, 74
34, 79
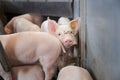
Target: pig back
74, 73
21, 25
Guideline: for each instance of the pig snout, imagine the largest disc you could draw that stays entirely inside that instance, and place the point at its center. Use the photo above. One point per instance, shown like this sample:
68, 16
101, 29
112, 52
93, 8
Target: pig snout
69, 41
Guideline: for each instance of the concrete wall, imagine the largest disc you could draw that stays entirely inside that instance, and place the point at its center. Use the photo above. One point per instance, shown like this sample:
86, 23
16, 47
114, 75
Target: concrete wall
103, 38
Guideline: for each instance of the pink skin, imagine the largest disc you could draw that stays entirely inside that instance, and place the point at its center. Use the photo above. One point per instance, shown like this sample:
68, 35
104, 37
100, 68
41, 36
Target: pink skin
68, 41
32, 17
22, 25
74, 73
63, 21
32, 72
65, 34
34, 46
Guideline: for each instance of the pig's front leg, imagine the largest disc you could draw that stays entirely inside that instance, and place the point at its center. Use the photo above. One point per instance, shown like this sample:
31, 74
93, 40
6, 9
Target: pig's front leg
49, 67
49, 72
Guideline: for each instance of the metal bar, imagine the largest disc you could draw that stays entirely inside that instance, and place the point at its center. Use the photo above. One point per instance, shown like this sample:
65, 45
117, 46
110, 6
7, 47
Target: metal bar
76, 14
82, 32
76, 9
3, 59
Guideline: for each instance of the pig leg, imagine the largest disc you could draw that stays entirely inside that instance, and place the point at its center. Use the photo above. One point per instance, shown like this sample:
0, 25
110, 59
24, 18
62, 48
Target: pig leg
49, 72
48, 67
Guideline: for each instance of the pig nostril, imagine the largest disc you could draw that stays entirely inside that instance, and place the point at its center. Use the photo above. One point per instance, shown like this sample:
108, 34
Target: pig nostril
68, 41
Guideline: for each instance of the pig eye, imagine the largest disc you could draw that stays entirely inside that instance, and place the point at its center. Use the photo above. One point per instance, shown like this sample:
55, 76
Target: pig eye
71, 32
59, 34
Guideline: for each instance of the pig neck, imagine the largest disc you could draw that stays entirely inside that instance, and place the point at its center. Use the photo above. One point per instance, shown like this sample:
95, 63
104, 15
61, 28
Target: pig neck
70, 51
67, 51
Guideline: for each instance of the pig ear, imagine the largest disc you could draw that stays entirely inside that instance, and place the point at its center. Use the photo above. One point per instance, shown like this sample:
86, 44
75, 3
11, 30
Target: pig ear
52, 26
74, 25
9, 26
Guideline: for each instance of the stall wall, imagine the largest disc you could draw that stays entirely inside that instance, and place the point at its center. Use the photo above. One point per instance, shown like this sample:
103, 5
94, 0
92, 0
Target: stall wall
44, 7
103, 39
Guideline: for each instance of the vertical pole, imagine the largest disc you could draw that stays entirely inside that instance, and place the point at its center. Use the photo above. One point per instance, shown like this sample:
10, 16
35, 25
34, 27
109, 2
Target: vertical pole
76, 14
82, 32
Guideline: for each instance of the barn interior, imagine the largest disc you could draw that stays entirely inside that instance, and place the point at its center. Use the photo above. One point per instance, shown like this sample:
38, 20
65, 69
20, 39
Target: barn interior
98, 37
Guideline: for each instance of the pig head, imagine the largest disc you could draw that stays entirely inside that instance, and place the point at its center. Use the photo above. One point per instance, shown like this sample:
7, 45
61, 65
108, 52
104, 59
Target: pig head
65, 32
31, 47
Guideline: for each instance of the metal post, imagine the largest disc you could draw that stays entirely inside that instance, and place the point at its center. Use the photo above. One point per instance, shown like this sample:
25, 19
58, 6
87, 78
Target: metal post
82, 32
3, 59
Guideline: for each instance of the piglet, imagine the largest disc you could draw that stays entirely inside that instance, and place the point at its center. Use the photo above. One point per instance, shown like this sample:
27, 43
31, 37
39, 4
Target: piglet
74, 73
32, 17
65, 32
29, 72
63, 21
31, 47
